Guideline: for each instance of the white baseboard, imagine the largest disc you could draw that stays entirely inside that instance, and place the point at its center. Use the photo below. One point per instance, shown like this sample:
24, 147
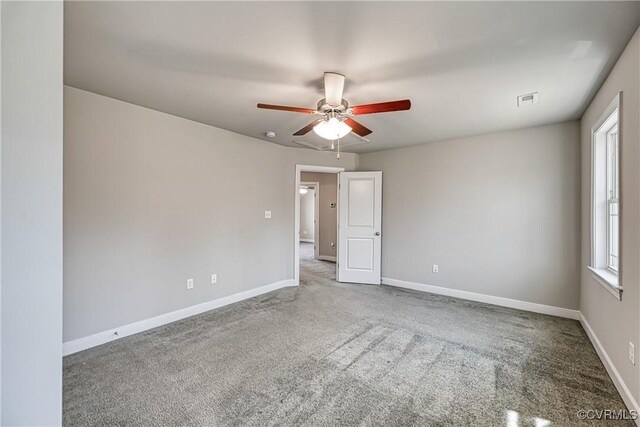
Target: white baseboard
327, 258
307, 240
624, 391
489, 299
84, 343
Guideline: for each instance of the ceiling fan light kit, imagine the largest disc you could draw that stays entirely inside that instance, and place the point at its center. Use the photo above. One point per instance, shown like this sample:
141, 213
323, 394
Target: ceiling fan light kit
336, 117
332, 129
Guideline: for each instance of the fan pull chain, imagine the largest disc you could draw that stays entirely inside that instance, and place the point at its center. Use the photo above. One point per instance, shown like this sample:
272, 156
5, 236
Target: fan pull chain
338, 156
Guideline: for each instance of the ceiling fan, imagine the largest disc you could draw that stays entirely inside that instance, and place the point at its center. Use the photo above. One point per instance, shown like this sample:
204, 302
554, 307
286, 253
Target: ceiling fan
335, 116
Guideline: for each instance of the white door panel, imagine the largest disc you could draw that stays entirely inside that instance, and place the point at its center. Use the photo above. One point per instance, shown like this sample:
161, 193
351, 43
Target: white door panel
360, 254
360, 223
361, 198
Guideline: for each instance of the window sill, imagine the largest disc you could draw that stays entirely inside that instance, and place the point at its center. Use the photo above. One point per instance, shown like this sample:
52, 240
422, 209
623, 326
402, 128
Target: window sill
608, 280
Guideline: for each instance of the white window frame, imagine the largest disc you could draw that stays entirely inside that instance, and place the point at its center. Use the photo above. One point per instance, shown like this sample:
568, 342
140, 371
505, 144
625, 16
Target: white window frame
601, 197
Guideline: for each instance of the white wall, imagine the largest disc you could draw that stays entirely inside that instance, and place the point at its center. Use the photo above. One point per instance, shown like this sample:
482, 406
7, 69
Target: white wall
499, 214
328, 217
31, 215
151, 200
616, 323
307, 215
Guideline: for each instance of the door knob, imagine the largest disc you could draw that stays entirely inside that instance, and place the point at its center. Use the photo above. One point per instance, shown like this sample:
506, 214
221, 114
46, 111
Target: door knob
377, 233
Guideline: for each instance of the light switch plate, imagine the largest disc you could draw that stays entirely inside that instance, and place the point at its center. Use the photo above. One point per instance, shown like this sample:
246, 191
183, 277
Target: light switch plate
189, 283
214, 279
434, 268
267, 214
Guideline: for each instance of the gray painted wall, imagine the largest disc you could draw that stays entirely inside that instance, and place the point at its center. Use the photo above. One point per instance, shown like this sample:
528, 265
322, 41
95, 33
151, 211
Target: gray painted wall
616, 323
31, 215
328, 228
499, 213
151, 200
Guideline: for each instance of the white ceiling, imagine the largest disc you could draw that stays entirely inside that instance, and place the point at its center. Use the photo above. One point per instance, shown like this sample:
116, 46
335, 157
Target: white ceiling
461, 64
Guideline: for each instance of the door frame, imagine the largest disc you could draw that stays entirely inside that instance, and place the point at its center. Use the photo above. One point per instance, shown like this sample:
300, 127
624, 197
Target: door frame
296, 230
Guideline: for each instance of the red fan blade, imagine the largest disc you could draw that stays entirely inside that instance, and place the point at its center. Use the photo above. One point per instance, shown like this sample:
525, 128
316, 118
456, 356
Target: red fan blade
287, 108
305, 130
381, 107
357, 127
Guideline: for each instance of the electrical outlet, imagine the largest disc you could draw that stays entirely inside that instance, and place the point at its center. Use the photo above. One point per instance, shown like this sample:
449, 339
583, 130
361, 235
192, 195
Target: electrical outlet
632, 353
214, 279
189, 283
267, 214
434, 269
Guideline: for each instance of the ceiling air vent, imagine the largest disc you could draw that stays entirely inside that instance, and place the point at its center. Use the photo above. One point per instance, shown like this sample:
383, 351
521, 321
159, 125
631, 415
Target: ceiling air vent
528, 99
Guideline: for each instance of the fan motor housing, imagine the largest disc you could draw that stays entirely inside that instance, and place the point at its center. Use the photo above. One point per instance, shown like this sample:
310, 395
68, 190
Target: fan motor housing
323, 107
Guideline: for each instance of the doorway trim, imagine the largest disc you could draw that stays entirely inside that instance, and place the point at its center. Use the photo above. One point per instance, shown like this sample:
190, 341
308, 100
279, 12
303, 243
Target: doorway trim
296, 198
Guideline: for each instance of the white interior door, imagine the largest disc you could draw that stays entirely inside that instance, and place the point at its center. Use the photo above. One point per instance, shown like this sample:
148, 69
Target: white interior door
359, 227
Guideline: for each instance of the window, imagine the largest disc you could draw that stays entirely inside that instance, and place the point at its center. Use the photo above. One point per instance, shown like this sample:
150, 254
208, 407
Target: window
605, 197
613, 219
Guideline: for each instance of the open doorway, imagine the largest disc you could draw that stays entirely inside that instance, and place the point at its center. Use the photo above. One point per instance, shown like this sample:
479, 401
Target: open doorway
316, 213
309, 219
318, 223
